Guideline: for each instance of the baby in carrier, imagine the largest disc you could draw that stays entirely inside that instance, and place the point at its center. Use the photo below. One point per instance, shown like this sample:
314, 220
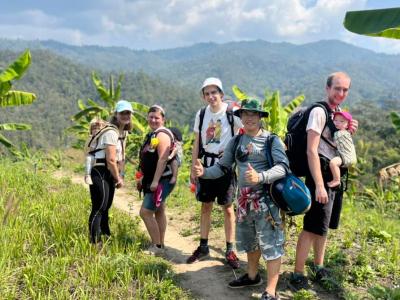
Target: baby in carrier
95, 126
175, 158
345, 147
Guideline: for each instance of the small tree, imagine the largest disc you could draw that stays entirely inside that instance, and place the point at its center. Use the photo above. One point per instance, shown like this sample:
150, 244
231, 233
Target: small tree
9, 97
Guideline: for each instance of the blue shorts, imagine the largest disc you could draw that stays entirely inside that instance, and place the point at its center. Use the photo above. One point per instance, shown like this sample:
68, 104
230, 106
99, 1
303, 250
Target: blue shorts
256, 232
149, 201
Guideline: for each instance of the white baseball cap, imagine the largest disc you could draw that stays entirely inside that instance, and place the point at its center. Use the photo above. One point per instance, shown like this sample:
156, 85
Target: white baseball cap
212, 81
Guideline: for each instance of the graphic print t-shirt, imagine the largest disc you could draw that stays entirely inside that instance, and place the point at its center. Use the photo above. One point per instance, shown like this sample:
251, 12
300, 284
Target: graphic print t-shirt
216, 130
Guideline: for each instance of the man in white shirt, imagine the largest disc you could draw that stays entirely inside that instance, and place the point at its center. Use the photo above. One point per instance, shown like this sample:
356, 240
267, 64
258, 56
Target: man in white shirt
326, 203
213, 129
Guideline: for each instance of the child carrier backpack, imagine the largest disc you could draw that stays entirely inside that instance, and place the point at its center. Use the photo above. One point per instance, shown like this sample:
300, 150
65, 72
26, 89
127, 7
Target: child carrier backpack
91, 143
296, 137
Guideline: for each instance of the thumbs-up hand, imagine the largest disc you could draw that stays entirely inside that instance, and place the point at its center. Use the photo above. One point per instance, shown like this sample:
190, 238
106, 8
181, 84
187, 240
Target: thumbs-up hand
251, 175
197, 168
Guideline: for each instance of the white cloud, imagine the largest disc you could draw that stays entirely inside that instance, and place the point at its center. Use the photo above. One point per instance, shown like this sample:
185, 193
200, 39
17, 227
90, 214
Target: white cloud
171, 23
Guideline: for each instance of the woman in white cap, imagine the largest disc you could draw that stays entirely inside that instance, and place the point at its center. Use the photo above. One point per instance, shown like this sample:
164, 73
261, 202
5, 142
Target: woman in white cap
108, 170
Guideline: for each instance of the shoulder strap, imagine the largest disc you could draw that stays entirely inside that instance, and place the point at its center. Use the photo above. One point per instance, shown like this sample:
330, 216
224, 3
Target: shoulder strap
167, 132
231, 121
201, 116
96, 137
329, 122
236, 142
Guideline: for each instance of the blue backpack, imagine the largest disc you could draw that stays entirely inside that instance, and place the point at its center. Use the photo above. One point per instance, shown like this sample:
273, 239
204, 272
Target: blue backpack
289, 193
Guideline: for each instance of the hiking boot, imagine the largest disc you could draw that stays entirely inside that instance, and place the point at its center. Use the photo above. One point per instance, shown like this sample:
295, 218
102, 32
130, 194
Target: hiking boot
232, 259
320, 274
245, 281
297, 283
199, 254
267, 296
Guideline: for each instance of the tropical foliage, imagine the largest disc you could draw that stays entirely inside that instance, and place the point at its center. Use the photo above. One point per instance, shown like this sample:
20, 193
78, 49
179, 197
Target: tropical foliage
110, 96
9, 97
377, 22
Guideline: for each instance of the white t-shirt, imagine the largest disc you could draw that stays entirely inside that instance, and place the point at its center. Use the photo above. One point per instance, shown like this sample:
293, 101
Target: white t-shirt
110, 137
216, 130
316, 122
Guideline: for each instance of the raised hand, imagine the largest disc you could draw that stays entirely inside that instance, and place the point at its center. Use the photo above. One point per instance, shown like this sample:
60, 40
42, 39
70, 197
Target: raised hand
251, 175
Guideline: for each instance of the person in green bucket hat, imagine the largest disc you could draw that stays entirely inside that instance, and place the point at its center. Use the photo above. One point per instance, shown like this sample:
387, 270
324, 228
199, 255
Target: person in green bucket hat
259, 228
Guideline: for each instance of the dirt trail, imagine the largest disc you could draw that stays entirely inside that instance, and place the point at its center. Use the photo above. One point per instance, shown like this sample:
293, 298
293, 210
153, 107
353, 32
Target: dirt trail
206, 279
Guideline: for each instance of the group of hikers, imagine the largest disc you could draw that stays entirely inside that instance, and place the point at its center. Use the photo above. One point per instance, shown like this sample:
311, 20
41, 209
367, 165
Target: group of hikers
227, 140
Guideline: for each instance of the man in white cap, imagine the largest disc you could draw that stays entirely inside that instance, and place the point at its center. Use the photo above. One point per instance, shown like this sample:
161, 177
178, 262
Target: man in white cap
213, 128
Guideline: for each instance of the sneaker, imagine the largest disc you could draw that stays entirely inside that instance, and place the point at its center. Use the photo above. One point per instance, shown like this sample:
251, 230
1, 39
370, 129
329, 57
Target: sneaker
232, 259
154, 251
267, 296
320, 274
198, 255
244, 281
298, 283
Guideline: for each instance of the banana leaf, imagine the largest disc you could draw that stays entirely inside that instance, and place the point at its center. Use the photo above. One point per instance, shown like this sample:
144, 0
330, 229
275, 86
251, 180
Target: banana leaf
81, 105
240, 95
292, 105
17, 98
17, 69
15, 126
5, 87
395, 120
377, 22
6, 142
104, 94
90, 111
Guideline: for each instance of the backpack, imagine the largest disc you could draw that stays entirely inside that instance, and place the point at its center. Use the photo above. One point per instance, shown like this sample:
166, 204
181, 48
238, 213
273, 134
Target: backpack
148, 157
91, 142
229, 115
296, 137
289, 193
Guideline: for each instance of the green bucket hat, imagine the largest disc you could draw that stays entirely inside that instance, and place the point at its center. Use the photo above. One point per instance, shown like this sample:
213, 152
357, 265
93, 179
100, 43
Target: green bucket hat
251, 105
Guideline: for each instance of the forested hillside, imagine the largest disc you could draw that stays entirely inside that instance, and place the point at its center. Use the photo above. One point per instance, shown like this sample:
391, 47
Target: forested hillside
172, 78
253, 65
59, 83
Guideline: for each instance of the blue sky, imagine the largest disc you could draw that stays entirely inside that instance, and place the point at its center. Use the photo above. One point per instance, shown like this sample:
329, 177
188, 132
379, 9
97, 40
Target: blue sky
159, 24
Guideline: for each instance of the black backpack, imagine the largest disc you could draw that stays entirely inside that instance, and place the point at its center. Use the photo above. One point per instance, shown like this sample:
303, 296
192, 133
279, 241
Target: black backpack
296, 137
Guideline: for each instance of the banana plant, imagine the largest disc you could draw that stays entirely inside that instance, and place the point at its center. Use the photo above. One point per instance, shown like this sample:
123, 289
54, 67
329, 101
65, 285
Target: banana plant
110, 97
9, 97
278, 114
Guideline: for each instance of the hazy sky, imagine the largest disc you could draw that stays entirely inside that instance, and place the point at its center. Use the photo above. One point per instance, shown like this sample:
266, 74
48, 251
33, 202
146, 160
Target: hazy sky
156, 24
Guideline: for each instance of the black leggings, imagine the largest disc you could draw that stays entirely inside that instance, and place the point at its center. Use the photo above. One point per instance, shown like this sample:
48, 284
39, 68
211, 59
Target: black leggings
102, 194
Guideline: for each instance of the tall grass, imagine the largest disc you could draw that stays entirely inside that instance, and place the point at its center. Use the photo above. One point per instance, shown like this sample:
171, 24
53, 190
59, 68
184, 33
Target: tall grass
44, 249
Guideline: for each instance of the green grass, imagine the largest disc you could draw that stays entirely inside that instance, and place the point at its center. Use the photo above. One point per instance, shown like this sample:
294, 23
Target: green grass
44, 249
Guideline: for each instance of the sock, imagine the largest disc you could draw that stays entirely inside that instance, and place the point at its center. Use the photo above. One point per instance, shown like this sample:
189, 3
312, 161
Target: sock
204, 243
229, 246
